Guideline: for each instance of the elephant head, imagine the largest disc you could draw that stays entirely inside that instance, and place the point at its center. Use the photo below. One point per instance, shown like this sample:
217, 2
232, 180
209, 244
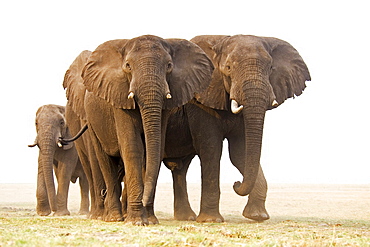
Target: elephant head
252, 74
51, 127
151, 74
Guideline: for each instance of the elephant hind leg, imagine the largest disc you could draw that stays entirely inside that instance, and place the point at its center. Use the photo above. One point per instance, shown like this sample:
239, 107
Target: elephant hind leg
84, 188
179, 168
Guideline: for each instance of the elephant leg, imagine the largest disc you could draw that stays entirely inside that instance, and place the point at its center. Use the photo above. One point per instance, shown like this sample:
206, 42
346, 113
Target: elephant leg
109, 170
179, 168
97, 188
88, 173
133, 156
63, 174
134, 163
210, 199
84, 188
207, 135
255, 208
43, 206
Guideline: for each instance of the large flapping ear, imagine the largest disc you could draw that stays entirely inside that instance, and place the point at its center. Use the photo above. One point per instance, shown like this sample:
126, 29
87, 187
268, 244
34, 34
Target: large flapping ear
73, 82
215, 96
104, 77
289, 71
191, 74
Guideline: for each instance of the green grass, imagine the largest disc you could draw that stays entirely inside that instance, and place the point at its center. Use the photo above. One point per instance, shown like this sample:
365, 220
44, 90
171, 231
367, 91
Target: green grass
22, 227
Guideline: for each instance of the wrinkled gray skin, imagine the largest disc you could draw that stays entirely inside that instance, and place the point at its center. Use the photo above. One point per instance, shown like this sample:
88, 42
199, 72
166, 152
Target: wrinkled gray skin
258, 74
76, 118
51, 126
132, 85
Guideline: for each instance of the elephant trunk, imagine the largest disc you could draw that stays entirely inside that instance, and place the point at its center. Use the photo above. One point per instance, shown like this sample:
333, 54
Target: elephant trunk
153, 136
47, 146
150, 100
255, 104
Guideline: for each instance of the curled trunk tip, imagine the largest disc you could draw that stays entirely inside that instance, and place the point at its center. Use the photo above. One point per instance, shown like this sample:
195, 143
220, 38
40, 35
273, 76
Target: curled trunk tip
243, 189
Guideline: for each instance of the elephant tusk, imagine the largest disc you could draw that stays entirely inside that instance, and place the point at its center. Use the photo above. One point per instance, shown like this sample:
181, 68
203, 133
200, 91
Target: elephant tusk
235, 108
275, 103
168, 96
60, 144
131, 95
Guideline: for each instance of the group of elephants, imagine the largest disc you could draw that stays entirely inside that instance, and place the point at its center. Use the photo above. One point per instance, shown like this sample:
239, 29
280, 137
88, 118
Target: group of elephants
146, 100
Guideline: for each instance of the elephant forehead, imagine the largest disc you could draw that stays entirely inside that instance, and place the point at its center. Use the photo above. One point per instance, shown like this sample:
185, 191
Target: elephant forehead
147, 44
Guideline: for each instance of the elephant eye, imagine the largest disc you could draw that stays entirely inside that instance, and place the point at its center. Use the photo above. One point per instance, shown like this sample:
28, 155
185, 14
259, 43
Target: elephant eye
169, 66
62, 123
128, 67
227, 69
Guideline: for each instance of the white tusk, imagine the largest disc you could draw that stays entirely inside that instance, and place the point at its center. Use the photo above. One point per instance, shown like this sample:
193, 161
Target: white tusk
235, 108
168, 96
275, 103
60, 144
131, 95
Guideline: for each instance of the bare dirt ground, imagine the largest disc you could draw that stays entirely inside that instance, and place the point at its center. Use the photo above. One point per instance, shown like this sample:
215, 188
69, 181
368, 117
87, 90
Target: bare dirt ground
284, 201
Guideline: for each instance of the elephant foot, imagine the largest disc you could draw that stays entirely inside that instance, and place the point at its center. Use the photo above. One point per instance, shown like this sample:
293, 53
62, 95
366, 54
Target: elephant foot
153, 220
113, 217
96, 214
83, 212
255, 210
210, 217
63, 212
43, 212
137, 221
139, 217
43, 209
185, 215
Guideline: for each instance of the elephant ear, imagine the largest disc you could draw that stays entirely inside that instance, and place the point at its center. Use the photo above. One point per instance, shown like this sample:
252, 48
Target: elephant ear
73, 83
289, 71
104, 77
191, 74
215, 96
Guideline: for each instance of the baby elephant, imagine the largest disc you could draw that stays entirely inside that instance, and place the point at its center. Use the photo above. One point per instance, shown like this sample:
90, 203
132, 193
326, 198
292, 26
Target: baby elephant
51, 128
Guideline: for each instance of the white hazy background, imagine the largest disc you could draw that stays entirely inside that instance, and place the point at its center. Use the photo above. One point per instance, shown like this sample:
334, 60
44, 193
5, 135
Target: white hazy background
320, 137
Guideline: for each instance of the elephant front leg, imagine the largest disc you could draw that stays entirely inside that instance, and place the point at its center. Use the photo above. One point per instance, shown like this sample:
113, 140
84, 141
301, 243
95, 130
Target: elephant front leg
255, 208
133, 159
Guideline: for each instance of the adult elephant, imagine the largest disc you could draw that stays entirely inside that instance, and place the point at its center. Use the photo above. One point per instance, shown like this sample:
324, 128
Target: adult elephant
51, 127
132, 85
76, 118
252, 75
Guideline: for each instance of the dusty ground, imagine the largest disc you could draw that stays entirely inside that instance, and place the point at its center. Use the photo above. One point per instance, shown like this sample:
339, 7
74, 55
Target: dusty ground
284, 201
